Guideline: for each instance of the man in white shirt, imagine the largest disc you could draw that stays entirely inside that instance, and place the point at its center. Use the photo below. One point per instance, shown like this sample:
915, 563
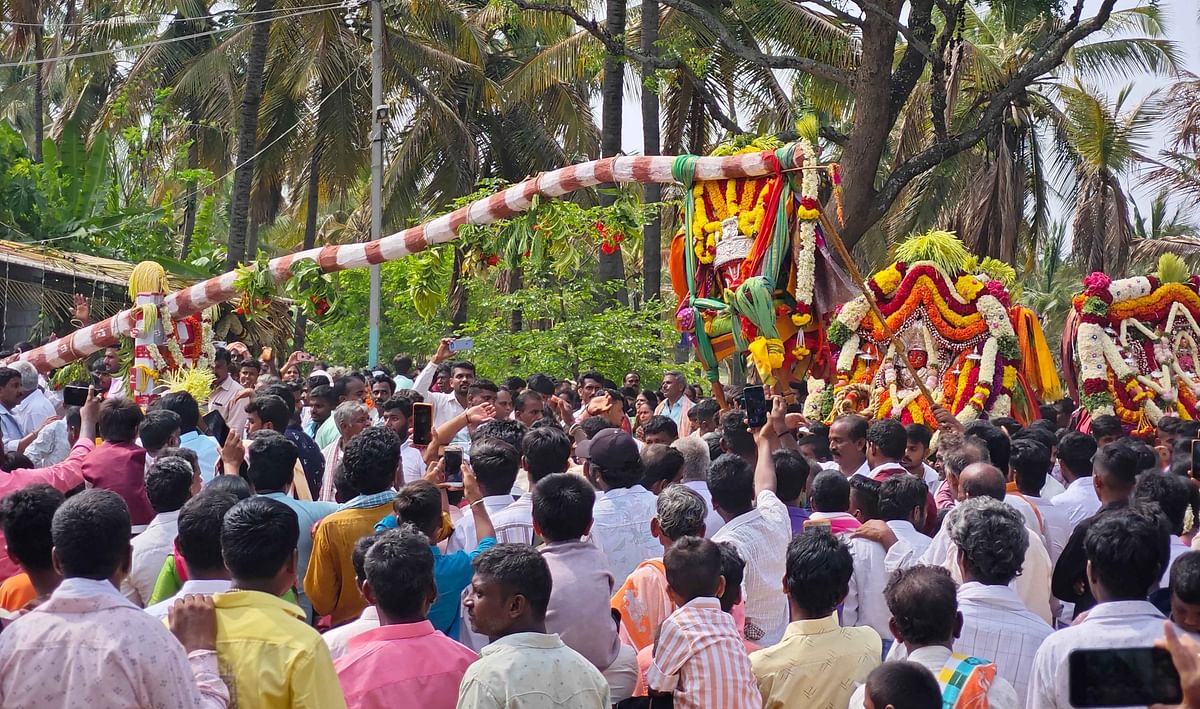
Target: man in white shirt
623, 508
11, 394
757, 523
695, 472
495, 464
864, 604
170, 482
1121, 570
1079, 501
199, 543
992, 540
55, 440
902, 508
545, 450
226, 396
446, 404
35, 408
926, 623
1029, 467
915, 454
396, 413
1171, 493
848, 444
675, 404
886, 445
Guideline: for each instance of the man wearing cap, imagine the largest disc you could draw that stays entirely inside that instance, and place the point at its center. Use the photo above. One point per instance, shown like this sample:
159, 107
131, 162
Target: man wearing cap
623, 509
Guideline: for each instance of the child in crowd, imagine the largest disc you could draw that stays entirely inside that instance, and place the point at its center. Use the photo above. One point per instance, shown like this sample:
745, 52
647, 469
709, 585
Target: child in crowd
1185, 592
902, 685
699, 656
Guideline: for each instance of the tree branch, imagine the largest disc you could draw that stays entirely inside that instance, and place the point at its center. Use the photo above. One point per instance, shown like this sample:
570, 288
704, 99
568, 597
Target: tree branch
912, 64
838, 12
921, 45
1045, 59
710, 102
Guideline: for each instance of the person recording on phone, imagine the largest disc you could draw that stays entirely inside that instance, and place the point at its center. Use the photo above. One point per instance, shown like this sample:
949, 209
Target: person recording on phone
447, 405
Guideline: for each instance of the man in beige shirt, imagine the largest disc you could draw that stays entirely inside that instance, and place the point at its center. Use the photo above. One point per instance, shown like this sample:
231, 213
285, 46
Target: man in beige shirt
228, 397
818, 663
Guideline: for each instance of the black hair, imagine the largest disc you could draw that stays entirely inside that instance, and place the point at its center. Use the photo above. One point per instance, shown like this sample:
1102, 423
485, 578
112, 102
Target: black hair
496, 465
514, 384
820, 446
791, 473
1185, 577
510, 431
903, 685
270, 409
1037, 433
179, 452
403, 404
1117, 545
341, 384
483, 385
385, 380
733, 569
1008, 424
15, 461
462, 364
829, 492
547, 450
923, 601
889, 436
28, 514
819, 566
562, 506
258, 536
220, 354
286, 394
157, 427
119, 420
402, 363
1048, 413
731, 483
1030, 460
371, 459
660, 463
997, 442
594, 376
1171, 493
736, 436
399, 568
90, 532
1107, 425
593, 425
521, 570
661, 424
7, 374
865, 492
252, 364
358, 555
524, 396
919, 434
233, 484
419, 503
169, 483
1076, 452
1118, 463
898, 495
693, 566
323, 392
200, 522
74, 418
859, 425
272, 460
542, 384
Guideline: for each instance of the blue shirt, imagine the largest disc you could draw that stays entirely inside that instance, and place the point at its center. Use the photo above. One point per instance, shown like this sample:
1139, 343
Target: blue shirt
310, 456
206, 450
452, 573
308, 514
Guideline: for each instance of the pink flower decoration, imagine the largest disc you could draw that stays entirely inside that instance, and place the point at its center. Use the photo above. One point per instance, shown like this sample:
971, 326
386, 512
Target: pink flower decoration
686, 317
997, 290
1096, 281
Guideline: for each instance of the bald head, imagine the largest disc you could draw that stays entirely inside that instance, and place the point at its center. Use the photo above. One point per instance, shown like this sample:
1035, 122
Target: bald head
981, 480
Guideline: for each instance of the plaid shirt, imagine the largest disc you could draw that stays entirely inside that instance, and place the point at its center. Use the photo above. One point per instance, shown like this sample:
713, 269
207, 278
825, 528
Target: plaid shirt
363, 502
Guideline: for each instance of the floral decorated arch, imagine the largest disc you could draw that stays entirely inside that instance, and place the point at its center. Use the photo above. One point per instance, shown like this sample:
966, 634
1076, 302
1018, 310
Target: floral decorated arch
954, 318
1135, 344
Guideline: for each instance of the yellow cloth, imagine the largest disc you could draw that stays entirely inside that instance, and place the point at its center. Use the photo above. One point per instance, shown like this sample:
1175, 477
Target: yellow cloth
1037, 364
269, 657
329, 581
817, 664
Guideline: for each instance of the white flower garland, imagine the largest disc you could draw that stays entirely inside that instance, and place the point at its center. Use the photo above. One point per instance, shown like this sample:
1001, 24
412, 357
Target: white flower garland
1002, 406
853, 313
845, 360
995, 315
805, 252
1129, 288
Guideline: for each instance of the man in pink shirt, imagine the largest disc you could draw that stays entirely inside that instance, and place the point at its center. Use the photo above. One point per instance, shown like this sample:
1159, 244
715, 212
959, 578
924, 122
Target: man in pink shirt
62, 476
89, 646
404, 657
120, 464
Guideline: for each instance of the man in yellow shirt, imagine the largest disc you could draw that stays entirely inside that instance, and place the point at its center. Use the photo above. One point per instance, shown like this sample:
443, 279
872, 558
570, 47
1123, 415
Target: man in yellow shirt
818, 663
369, 463
268, 656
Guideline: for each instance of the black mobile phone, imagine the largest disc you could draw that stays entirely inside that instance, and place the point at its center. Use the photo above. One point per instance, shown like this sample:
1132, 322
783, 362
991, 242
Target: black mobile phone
74, 395
756, 406
452, 459
422, 424
1121, 677
217, 427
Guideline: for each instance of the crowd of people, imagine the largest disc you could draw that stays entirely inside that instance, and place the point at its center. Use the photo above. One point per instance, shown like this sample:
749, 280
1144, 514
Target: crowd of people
599, 545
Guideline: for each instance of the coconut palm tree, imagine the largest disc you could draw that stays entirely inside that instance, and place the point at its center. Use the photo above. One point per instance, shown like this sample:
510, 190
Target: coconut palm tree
1165, 231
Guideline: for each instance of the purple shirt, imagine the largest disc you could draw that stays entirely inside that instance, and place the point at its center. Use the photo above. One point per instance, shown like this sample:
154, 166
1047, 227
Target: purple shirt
410, 664
580, 609
798, 516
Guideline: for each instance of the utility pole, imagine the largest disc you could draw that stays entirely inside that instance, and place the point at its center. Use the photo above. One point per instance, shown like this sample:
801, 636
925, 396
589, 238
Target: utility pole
377, 127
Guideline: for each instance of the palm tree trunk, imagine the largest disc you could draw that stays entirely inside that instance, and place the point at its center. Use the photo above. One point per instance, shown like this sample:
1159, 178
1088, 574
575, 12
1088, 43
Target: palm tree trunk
652, 145
611, 267
310, 229
252, 240
39, 99
189, 209
457, 293
256, 61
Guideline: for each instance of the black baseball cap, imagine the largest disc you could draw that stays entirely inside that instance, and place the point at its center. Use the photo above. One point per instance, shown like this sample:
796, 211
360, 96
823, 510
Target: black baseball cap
610, 449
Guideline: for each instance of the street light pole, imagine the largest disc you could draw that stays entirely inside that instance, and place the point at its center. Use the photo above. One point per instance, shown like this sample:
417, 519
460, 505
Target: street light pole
377, 128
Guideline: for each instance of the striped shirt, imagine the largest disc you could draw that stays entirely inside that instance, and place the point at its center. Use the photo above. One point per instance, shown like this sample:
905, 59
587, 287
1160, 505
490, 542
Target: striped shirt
761, 537
700, 657
998, 627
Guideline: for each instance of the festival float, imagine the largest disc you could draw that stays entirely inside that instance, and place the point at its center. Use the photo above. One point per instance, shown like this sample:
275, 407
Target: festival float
748, 264
1133, 344
943, 332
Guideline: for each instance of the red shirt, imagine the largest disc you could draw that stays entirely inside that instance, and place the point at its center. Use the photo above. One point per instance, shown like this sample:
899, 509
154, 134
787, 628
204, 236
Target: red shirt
121, 467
